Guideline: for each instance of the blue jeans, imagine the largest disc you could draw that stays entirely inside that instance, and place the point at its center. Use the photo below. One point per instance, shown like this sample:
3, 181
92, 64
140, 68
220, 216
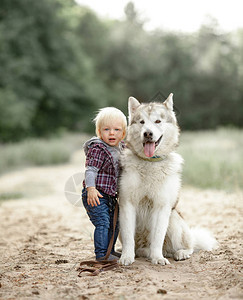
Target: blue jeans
101, 217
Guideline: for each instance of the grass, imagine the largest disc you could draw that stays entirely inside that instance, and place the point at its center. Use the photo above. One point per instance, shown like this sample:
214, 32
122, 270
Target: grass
38, 152
213, 159
10, 196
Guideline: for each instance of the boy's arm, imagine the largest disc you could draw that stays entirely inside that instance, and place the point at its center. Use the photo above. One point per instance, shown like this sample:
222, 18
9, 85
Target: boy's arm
90, 179
90, 176
94, 162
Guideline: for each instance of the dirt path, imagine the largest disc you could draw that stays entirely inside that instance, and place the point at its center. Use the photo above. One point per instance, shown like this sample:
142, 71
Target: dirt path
43, 238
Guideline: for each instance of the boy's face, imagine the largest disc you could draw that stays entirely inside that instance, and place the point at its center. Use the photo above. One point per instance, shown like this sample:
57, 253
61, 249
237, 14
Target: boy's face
112, 133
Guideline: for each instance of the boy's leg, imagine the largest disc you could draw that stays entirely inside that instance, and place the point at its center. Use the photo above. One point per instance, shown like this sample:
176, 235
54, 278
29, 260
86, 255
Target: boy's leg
100, 217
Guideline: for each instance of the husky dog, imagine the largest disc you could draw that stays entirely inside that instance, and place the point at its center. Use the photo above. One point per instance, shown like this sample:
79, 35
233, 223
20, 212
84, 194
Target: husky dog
150, 225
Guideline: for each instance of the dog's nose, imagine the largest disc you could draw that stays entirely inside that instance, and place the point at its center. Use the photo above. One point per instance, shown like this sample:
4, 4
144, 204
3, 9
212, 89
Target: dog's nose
148, 134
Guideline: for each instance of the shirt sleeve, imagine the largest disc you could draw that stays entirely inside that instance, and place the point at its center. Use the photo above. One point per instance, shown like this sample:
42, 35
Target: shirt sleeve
95, 157
90, 176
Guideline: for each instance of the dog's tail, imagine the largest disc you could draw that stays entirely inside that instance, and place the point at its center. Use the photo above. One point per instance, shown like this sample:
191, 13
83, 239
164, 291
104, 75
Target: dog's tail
203, 239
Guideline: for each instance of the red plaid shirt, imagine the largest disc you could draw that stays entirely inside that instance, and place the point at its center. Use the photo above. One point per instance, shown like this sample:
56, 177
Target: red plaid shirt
99, 156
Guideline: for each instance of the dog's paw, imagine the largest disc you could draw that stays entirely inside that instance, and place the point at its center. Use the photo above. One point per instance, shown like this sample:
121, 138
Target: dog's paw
126, 260
182, 254
160, 261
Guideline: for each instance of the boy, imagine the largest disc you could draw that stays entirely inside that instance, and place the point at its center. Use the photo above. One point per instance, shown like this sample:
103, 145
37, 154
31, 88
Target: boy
101, 176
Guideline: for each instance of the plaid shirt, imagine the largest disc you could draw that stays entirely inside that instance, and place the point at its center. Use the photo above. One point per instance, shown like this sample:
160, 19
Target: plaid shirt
107, 180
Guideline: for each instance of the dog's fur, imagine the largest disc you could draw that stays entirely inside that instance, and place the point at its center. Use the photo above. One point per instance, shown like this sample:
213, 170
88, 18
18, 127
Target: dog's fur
149, 189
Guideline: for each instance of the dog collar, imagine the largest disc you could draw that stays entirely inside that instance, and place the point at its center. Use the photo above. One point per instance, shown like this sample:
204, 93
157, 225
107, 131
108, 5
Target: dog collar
153, 158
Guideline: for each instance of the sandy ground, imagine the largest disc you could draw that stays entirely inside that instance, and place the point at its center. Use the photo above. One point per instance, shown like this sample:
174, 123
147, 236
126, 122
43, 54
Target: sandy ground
44, 237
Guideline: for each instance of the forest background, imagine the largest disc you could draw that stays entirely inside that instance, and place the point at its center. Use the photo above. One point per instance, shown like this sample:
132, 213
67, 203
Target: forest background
60, 63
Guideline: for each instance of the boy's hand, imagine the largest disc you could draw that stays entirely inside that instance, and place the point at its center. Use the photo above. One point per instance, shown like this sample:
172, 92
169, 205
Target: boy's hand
93, 196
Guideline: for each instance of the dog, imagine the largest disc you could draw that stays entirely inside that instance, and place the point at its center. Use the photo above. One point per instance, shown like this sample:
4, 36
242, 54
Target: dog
150, 225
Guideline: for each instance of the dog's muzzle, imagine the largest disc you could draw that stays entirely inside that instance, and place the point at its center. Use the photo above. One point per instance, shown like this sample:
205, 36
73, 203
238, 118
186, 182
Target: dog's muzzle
149, 145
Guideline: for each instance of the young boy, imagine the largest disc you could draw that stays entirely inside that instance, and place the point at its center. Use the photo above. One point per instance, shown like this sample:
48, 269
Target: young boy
101, 176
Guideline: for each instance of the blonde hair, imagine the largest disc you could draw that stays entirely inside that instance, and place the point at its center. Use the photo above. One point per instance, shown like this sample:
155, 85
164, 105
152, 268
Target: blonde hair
109, 114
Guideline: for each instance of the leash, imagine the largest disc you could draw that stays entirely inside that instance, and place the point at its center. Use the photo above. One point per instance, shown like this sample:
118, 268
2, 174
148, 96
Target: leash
95, 267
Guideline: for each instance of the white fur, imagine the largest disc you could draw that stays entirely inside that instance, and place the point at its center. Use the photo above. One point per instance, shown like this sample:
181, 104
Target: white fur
149, 191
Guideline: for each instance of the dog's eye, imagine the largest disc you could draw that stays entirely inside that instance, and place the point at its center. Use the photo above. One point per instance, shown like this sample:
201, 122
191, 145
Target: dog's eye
157, 121
142, 122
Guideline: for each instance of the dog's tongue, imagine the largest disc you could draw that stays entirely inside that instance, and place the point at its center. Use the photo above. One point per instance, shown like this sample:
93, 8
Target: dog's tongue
149, 149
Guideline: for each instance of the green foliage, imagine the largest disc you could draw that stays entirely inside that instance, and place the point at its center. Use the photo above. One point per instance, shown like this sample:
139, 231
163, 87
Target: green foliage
60, 63
10, 196
38, 152
45, 76
213, 159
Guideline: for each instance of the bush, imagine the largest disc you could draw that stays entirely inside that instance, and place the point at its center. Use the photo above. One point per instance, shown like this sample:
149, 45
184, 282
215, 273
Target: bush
213, 159
38, 152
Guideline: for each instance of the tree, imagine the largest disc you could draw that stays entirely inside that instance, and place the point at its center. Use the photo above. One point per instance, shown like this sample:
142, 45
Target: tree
42, 82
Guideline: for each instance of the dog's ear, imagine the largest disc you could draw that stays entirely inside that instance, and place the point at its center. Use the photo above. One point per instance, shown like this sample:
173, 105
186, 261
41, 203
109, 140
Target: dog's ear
133, 104
169, 102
